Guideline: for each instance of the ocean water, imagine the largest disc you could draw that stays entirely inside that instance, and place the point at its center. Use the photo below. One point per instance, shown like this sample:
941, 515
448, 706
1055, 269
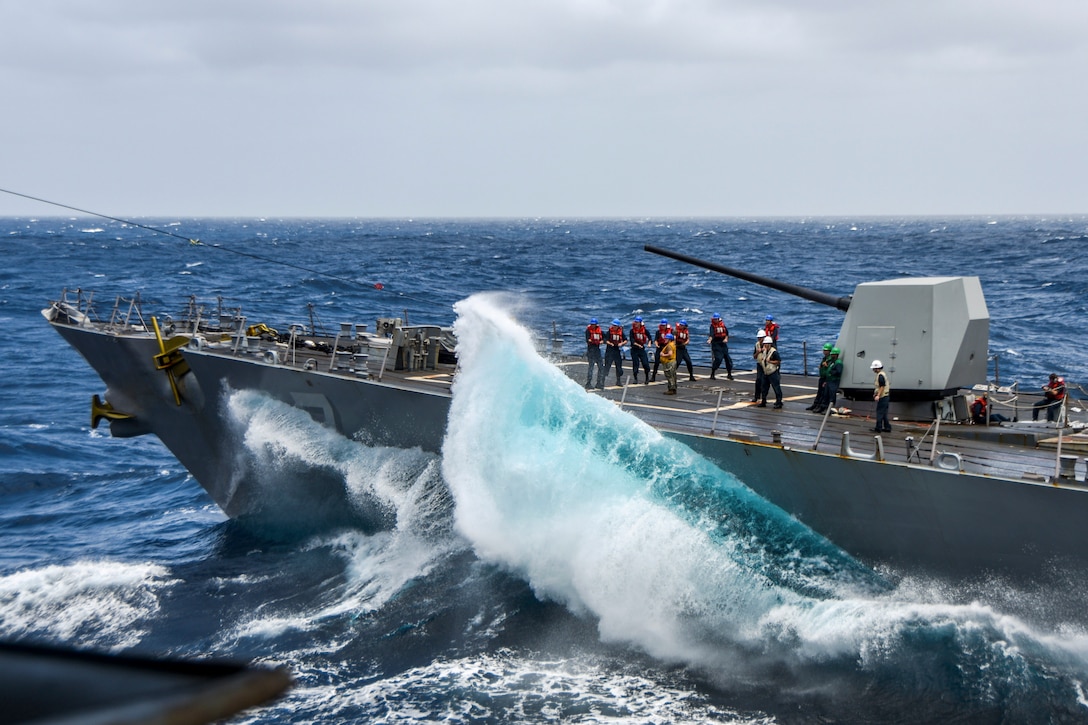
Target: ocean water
560, 561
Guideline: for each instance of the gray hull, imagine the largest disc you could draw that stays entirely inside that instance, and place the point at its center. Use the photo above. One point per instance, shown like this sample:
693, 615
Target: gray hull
911, 518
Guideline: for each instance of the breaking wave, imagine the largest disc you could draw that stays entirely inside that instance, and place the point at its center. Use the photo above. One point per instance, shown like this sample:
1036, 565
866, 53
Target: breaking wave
601, 513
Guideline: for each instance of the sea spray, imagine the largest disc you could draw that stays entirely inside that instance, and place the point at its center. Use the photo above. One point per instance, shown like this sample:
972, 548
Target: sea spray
601, 513
587, 503
384, 511
309, 478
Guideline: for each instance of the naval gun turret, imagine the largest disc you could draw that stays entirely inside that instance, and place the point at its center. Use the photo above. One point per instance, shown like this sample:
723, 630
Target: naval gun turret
931, 333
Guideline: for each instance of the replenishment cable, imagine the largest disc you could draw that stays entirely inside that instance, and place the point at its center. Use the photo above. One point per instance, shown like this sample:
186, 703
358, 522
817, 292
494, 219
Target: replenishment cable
378, 286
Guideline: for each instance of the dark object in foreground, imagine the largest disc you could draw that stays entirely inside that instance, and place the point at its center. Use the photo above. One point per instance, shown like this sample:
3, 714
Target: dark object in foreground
54, 685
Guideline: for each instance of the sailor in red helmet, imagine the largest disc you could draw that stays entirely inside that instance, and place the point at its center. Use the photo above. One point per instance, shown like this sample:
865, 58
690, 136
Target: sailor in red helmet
640, 341
659, 342
594, 339
614, 340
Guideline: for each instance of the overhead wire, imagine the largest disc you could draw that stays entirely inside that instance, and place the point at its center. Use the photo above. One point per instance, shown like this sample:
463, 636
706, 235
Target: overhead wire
377, 286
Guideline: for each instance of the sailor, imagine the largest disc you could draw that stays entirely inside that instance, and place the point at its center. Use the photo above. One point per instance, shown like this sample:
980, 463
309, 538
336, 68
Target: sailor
659, 342
640, 338
613, 349
594, 338
981, 413
1053, 395
719, 346
834, 377
756, 353
667, 355
821, 385
882, 394
770, 327
683, 337
771, 364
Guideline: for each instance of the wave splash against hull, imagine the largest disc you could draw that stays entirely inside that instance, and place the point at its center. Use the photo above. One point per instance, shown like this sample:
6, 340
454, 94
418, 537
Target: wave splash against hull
601, 513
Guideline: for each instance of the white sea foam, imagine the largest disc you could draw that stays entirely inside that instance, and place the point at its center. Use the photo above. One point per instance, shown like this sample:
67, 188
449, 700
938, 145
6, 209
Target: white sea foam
99, 603
507, 687
287, 447
282, 445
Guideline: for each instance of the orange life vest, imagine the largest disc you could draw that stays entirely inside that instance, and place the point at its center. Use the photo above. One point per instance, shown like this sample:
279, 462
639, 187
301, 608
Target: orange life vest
594, 335
718, 330
682, 335
639, 336
659, 338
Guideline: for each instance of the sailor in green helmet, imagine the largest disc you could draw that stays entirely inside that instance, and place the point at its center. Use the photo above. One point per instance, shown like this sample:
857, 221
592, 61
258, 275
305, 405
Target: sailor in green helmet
821, 385
833, 377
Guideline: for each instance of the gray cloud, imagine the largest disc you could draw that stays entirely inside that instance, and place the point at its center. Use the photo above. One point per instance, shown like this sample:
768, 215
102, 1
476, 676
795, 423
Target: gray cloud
567, 107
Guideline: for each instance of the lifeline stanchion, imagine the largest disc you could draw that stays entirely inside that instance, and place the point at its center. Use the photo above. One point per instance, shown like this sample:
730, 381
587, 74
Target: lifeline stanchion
717, 408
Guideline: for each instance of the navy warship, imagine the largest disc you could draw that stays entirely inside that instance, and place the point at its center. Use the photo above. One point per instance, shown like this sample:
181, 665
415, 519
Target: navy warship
938, 496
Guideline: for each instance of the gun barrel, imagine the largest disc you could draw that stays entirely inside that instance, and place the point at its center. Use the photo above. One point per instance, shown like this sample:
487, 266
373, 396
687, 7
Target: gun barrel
841, 303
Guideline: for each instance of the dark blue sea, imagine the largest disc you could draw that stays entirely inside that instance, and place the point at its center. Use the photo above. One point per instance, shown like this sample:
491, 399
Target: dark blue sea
539, 584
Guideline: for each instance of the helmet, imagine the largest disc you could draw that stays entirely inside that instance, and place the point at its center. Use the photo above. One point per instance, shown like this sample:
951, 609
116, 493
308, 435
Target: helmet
593, 320
835, 351
616, 321
768, 339
638, 319
877, 365
716, 316
664, 321
683, 322
827, 346
669, 336
761, 334
769, 318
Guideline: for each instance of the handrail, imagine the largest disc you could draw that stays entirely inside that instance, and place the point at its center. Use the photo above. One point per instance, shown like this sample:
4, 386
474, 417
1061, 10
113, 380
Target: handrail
876, 455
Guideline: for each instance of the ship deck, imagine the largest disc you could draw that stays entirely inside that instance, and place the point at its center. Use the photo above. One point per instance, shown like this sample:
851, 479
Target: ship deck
723, 408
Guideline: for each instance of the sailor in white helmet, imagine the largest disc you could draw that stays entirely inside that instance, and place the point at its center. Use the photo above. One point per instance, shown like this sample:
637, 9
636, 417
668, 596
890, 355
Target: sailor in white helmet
882, 394
759, 368
771, 363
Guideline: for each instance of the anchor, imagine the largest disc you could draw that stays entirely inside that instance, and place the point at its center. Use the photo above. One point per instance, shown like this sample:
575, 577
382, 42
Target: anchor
103, 409
170, 359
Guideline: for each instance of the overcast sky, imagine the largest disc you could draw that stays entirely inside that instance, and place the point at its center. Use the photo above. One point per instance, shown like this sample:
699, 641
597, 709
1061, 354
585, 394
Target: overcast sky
545, 107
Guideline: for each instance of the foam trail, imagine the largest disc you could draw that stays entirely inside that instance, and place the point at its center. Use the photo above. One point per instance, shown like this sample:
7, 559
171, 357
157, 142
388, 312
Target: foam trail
89, 603
599, 511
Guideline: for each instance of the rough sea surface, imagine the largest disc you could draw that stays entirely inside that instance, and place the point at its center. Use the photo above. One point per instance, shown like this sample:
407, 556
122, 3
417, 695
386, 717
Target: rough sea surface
560, 562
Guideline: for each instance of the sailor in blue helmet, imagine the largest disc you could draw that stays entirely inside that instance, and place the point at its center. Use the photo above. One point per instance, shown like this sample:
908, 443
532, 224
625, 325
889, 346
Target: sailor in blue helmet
659, 342
640, 341
614, 340
667, 354
719, 346
594, 339
683, 337
770, 327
